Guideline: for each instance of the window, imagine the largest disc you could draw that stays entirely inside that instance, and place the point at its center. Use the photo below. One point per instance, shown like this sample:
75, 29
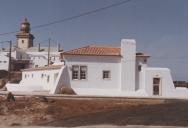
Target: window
106, 75
22, 41
79, 72
75, 72
83, 71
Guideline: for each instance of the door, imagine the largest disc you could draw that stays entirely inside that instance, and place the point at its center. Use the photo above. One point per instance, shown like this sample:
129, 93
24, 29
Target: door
157, 86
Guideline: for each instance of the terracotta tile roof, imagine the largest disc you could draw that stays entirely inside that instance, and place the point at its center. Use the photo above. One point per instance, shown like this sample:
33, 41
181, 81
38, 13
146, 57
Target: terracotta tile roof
93, 50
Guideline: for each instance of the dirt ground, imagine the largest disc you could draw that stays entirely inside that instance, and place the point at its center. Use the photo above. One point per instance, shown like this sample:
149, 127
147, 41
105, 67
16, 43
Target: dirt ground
39, 111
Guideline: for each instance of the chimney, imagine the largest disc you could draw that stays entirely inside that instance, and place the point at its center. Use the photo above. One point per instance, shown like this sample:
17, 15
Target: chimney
128, 53
39, 47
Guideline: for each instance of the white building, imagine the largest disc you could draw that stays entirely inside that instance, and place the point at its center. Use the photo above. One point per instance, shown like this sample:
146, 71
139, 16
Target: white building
24, 50
39, 56
19, 59
102, 71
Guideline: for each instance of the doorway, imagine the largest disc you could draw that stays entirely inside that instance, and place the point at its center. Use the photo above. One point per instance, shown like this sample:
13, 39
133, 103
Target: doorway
157, 86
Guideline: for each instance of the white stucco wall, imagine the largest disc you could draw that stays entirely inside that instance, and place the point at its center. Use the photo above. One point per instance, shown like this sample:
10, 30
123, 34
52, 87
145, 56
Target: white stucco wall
40, 59
128, 62
40, 77
37, 80
167, 87
4, 61
140, 61
63, 80
16, 55
95, 66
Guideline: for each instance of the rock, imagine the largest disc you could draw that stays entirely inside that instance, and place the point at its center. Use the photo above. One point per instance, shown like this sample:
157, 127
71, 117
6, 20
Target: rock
43, 99
67, 90
10, 97
2, 83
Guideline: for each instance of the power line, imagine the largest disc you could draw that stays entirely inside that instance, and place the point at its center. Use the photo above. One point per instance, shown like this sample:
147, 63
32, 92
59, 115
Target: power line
73, 17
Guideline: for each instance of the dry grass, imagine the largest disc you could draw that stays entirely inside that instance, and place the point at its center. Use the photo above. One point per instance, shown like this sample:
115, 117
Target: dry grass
70, 112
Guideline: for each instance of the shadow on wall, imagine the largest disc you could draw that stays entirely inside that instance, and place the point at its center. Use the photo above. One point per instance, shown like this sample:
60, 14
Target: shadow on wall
63, 81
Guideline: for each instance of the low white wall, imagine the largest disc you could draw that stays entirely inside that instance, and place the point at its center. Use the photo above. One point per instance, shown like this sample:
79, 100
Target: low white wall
23, 88
109, 92
36, 80
40, 77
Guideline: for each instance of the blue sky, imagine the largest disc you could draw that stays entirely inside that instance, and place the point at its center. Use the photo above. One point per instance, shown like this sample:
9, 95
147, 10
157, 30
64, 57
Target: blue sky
160, 27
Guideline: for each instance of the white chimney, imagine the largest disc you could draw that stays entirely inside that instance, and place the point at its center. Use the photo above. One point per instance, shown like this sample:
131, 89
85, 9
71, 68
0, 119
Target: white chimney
128, 63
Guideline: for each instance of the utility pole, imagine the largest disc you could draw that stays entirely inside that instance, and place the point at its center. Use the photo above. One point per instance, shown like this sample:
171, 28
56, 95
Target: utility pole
49, 52
9, 66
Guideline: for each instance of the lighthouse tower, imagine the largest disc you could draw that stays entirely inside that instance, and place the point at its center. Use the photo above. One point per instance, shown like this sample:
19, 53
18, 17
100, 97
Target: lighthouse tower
24, 37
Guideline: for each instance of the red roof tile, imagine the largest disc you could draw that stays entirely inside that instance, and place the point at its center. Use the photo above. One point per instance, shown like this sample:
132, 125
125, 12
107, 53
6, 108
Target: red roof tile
93, 50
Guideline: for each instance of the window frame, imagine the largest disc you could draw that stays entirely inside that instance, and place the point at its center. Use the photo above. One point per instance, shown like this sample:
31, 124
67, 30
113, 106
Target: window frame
79, 72
109, 75
82, 66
